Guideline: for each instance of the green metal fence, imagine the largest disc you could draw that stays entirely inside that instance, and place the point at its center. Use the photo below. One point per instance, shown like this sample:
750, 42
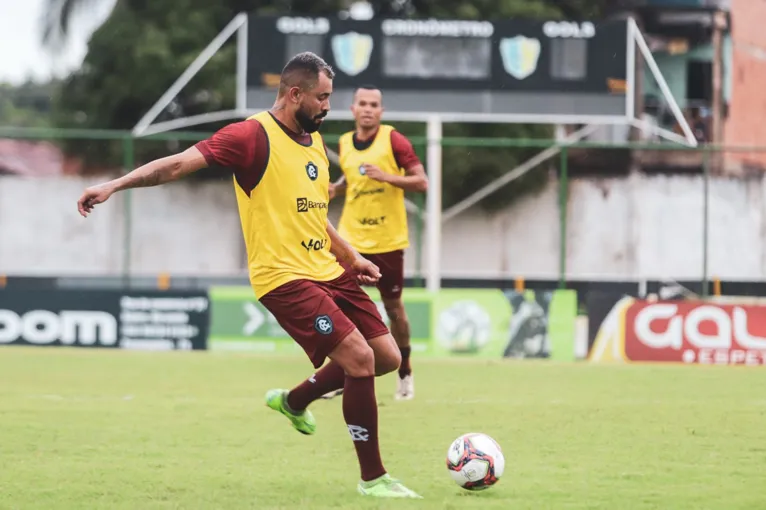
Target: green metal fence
124, 149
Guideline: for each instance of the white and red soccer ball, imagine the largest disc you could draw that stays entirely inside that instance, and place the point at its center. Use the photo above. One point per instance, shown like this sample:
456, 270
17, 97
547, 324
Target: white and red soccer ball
475, 461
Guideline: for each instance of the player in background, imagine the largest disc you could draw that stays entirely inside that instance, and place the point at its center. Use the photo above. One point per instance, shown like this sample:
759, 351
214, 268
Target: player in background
379, 165
281, 182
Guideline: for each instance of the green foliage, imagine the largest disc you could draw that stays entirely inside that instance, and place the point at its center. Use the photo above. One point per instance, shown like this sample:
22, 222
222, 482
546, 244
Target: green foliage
485, 9
468, 169
146, 44
26, 105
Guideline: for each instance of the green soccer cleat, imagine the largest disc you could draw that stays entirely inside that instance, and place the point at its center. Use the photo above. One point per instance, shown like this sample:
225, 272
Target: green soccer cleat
386, 487
303, 422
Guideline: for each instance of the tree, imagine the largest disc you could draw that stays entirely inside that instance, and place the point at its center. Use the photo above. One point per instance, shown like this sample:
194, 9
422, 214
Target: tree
26, 105
138, 53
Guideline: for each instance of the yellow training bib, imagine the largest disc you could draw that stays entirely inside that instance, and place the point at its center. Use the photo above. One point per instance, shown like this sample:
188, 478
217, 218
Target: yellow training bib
284, 219
374, 219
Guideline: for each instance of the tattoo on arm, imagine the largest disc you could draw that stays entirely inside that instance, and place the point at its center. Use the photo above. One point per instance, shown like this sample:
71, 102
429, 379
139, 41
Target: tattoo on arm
153, 178
162, 170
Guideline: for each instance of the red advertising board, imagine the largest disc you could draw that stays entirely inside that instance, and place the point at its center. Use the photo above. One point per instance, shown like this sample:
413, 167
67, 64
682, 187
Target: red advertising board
695, 332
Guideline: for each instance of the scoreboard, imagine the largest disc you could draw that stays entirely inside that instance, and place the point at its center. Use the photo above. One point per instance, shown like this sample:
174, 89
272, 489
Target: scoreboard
498, 66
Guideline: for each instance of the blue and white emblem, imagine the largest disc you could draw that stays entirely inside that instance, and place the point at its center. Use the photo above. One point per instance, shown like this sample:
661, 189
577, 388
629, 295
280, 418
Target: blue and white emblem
352, 52
520, 55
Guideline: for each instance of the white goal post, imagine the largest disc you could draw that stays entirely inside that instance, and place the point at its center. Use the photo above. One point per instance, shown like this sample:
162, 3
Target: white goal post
434, 122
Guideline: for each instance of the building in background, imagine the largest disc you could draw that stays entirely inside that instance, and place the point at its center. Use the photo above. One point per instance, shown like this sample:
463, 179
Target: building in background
712, 54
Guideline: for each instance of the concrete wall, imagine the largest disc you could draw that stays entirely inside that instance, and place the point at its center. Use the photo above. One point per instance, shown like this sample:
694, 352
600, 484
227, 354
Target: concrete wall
626, 228
181, 228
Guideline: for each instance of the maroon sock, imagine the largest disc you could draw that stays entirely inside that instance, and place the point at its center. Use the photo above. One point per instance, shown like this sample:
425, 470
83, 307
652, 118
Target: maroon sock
328, 378
360, 409
405, 369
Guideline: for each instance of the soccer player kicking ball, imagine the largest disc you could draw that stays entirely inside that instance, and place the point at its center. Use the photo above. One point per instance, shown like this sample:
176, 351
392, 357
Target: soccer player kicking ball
379, 165
281, 181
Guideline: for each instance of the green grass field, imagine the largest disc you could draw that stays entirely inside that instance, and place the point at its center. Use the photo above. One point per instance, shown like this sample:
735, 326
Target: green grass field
86, 429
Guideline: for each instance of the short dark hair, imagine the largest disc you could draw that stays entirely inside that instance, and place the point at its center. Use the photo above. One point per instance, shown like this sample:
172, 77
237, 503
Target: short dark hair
366, 86
303, 71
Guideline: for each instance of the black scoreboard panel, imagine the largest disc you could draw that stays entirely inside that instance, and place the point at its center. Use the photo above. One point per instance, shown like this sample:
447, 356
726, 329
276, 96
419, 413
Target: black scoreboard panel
539, 66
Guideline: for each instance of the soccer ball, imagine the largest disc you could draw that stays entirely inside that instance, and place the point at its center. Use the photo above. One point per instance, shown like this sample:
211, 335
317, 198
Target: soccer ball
475, 461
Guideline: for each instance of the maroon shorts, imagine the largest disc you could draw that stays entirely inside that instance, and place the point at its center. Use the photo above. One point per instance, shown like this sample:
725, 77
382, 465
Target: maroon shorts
391, 265
318, 315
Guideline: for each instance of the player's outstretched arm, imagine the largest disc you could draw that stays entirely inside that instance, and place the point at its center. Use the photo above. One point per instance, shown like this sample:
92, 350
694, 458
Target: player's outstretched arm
415, 175
366, 271
414, 180
154, 173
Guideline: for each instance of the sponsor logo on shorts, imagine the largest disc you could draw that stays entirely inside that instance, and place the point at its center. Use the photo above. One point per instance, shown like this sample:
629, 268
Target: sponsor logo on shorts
378, 220
312, 171
323, 324
304, 204
364, 193
314, 244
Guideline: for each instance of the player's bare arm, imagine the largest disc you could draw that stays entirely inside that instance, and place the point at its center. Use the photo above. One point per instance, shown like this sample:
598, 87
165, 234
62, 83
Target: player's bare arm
414, 180
367, 272
338, 187
159, 171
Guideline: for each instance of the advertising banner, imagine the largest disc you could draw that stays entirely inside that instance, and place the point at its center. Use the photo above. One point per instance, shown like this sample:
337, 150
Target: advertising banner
695, 332
453, 322
691, 332
239, 322
143, 320
542, 324
470, 322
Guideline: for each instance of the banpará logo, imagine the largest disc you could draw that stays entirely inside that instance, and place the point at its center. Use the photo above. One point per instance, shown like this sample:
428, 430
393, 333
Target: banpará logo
312, 171
378, 220
304, 204
323, 325
314, 244
299, 25
70, 327
569, 29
